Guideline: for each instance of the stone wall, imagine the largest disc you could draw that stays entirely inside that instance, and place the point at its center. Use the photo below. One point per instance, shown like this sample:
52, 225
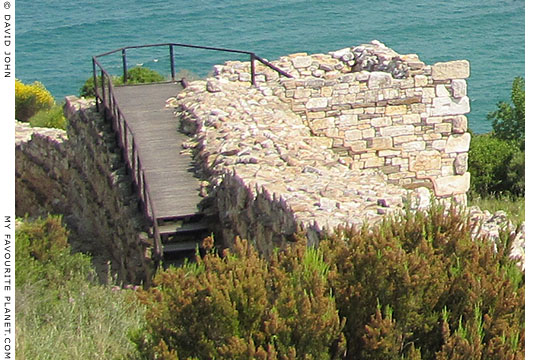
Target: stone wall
356, 135
379, 109
80, 174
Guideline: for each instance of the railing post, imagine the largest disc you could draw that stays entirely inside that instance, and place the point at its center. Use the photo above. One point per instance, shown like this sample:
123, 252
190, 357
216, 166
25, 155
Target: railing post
124, 64
95, 83
171, 57
252, 60
103, 89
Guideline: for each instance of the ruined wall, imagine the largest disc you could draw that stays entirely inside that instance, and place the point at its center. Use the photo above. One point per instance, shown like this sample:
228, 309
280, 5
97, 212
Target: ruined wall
379, 109
80, 174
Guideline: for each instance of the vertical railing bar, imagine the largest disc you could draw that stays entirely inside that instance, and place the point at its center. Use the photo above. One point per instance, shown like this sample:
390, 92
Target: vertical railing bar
171, 57
95, 83
124, 65
103, 89
252, 60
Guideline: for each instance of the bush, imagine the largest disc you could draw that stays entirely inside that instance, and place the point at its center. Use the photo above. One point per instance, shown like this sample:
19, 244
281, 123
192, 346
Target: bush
136, 75
509, 121
417, 287
29, 99
489, 164
243, 307
50, 118
62, 312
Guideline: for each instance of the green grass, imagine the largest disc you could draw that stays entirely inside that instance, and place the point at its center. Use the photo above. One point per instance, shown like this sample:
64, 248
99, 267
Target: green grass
62, 311
513, 206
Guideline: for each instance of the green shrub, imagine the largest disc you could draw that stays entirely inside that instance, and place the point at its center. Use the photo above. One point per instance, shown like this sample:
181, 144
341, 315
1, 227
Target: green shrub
489, 160
50, 118
418, 287
509, 121
136, 75
29, 99
242, 307
62, 312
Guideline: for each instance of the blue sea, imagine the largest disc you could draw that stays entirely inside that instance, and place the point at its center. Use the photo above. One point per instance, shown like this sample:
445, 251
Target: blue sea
56, 39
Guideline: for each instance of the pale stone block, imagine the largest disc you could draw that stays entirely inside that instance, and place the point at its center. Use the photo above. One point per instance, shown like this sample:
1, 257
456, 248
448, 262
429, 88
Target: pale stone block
414, 146
461, 163
321, 124
379, 79
302, 61
316, 115
439, 144
434, 120
427, 160
326, 91
374, 162
443, 128
452, 185
411, 119
353, 135
458, 143
358, 146
381, 121
302, 93
441, 90
458, 69
398, 140
348, 120
459, 88
420, 80
317, 103
447, 170
368, 133
443, 106
398, 130
396, 110
400, 161
388, 94
459, 124
380, 143
388, 153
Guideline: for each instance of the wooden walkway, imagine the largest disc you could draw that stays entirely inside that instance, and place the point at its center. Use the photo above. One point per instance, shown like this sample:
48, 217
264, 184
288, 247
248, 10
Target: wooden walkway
169, 172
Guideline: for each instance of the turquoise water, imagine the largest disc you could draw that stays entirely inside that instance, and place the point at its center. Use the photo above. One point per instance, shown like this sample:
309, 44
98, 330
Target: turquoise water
56, 39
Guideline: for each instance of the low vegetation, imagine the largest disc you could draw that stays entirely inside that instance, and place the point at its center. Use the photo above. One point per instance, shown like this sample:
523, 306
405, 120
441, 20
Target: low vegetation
35, 104
417, 287
62, 312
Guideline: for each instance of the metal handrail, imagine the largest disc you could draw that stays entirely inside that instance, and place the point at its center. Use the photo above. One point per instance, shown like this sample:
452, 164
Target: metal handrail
122, 129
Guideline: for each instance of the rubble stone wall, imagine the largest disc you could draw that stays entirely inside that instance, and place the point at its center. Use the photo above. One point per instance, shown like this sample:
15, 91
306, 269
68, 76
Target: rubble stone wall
79, 173
379, 109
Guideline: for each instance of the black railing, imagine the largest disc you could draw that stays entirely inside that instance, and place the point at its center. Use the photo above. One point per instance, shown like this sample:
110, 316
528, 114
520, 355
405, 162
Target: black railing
105, 98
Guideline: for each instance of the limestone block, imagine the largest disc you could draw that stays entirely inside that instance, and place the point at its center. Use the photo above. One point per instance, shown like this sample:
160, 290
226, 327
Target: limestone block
321, 124
396, 110
378, 79
302, 93
353, 135
411, 119
441, 91
444, 128
317, 103
418, 145
439, 144
451, 185
368, 133
420, 80
374, 162
459, 124
348, 121
381, 121
397, 130
461, 163
424, 161
459, 88
380, 143
358, 146
458, 69
443, 106
458, 143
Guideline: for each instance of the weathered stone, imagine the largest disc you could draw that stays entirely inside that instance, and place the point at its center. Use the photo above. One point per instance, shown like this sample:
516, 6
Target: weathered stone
353, 135
414, 146
458, 143
424, 161
459, 124
459, 88
397, 130
461, 163
443, 106
441, 91
396, 110
458, 69
379, 80
420, 81
451, 185
302, 61
380, 143
317, 103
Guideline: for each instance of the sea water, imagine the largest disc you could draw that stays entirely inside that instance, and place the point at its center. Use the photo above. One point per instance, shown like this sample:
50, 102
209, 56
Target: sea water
56, 39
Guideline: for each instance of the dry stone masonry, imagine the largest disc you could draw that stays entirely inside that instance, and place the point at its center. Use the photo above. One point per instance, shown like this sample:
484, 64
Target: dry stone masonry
355, 134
